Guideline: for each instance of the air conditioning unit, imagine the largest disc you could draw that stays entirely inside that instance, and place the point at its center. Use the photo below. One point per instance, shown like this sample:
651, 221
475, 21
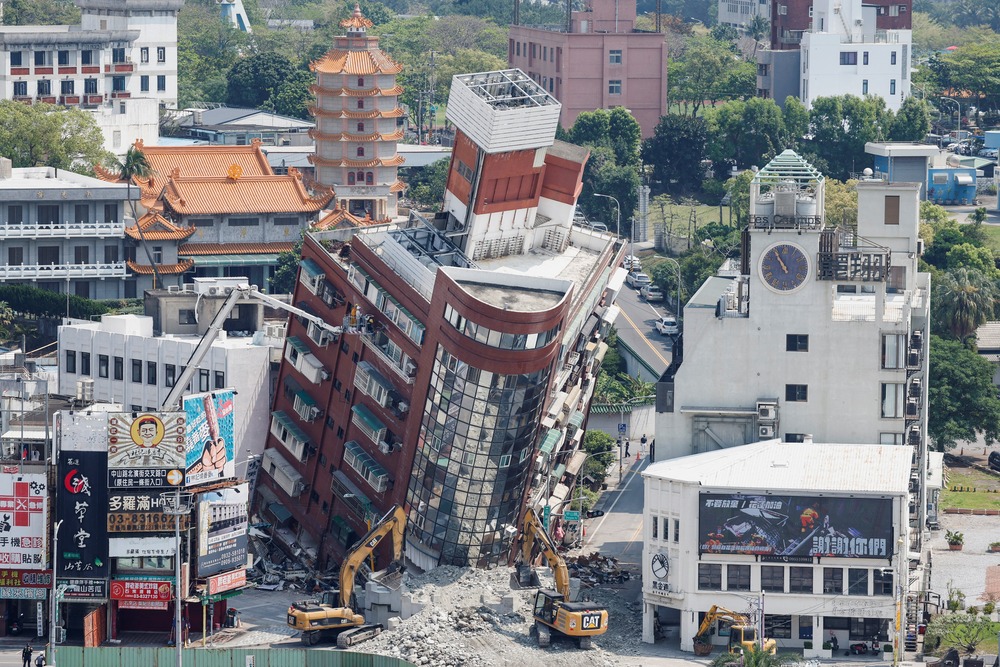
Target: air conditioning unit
912, 407
765, 431
915, 387
228, 290
917, 340
411, 368
767, 412
859, 22
403, 407
913, 359
385, 447
213, 290
836, 10
314, 412
325, 374
914, 437
920, 247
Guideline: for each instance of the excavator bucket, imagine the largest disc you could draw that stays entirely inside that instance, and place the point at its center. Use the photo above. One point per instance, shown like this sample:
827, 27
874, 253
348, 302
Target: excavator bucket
391, 577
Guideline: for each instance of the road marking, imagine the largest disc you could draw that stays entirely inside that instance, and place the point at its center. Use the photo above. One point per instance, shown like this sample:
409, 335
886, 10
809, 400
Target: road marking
621, 556
621, 488
644, 337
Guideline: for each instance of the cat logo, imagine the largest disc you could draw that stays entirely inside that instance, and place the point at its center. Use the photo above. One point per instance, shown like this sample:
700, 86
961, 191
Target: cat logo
591, 622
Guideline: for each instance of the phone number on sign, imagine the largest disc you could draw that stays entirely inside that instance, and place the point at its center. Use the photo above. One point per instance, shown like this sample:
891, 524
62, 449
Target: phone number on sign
143, 522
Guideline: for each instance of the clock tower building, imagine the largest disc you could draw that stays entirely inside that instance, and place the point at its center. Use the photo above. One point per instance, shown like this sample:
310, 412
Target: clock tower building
818, 333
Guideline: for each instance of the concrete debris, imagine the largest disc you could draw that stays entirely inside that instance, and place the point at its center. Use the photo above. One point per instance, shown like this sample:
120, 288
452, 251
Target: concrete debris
593, 569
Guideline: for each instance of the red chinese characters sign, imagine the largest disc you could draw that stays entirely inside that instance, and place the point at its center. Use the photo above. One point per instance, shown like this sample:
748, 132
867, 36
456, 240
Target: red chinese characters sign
136, 591
23, 579
227, 581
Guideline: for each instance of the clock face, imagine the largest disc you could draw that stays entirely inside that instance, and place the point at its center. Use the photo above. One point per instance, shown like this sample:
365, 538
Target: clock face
784, 267
661, 566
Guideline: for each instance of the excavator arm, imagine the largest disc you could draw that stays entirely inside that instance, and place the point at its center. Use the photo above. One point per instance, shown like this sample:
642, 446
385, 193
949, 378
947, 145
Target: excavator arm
717, 613
393, 523
534, 532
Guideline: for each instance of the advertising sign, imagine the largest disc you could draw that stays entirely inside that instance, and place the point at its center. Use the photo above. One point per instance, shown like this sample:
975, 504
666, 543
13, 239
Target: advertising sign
90, 589
795, 526
23, 521
146, 450
227, 581
26, 578
139, 511
143, 604
13, 593
82, 501
210, 434
222, 530
141, 547
145, 591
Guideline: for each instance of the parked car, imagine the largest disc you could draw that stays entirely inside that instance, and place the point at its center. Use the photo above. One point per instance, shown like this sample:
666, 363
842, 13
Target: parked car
632, 263
652, 293
667, 325
990, 153
994, 460
637, 280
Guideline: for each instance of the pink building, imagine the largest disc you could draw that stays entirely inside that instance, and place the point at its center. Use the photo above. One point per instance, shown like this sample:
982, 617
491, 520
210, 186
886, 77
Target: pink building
600, 63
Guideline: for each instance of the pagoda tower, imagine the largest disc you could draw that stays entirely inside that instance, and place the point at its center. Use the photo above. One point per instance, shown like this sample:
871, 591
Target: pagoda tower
358, 122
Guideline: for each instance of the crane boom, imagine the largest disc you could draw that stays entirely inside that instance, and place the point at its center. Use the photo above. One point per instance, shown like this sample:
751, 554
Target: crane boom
534, 532
240, 293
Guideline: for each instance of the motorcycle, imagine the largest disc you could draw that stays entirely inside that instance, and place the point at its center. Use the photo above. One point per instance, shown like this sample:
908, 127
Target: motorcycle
14, 627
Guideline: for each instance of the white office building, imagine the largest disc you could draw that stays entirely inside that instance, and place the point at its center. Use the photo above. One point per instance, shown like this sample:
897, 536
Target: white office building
823, 333
815, 536
739, 13
844, 54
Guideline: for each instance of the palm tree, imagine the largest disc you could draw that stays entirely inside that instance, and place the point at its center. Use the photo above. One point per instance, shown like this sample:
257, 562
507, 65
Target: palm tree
754, 657
965, 300
136, 165
756, 29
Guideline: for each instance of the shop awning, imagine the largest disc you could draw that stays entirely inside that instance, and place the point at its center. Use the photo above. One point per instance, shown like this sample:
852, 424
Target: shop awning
576, 462
299, 345
279, 512
558, 495
576, 419
311, 268
550, 441
369, 419
559, 471
375, 375
308, 400
266, 259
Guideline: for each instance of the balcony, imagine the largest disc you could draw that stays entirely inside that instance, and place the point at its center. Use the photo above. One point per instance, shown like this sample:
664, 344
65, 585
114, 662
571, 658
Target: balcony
304, 361
283, 473
119, 68
67, 70
43, 70
20, 71
121, 94
62, 271
98, 230
69, 99
390, 354
93, 100
90, 69
47, 99
293, 439
23, 99
368, 423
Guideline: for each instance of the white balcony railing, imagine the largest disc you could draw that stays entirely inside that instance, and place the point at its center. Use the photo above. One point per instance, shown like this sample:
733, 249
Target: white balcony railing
65, 230
62, 271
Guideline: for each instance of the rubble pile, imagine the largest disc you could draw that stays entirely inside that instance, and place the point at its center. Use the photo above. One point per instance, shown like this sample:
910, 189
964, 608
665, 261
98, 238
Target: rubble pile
464, 624
593, 569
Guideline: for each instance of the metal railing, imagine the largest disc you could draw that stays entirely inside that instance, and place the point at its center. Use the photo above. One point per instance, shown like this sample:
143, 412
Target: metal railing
60, 229
62, 271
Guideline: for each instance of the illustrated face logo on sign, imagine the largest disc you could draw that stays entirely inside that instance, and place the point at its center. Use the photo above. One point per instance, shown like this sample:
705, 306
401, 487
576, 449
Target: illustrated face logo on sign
147, 431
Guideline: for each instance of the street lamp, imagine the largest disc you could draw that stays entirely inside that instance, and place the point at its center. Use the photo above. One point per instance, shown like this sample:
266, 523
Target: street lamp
177, 505
958, 123
677, 268
618, 219
621, 411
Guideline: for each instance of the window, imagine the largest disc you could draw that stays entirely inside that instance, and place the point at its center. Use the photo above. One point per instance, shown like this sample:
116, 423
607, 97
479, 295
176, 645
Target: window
677, 530
805, 627
117, 84
90, 86
882, 579
800, 580
151, 372
795, 437
169, 375
893, 351
20, 89
848, 57
158, 254
778, 627
615, 87
40, 58
144, 54
201, 222
102, 365
186, 316
857, 581
161, 54
15, 256
81, 254
361, 104
71, 361
893, 395
864, 86
44, 87
893, 11
361, 127
772, 578
863, 629
48, 255
892, 58
833, 581
15, 59
220, 380
110, 254
161, 83
202, 379
465, 171
864, 58
737, 577
892, 91
361, 151
797, 392
86, 57
656, 528
119, 368
709, 577
361, 82
118, 55
144, 83
136, 370
350, 178
286, 221
243, 222
796, 343
615, 57
66, 87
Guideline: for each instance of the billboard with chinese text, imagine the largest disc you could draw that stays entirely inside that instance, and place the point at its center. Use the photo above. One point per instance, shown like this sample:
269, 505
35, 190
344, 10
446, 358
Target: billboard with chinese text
789, 526
222, 530
139, 511
81, 503
23, 521
146, 450
210, 435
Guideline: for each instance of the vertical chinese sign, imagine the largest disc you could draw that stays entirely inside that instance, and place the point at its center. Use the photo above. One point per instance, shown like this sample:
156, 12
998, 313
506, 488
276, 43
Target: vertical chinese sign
82, 500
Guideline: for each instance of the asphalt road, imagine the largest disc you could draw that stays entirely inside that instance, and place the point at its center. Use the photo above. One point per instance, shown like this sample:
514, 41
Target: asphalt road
636, 327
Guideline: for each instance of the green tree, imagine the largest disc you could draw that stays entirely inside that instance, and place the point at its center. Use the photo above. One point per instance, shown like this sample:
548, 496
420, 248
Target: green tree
675, 151
7, 318
292, 97
946, 233
50, 136
206, 48
841, 126
796, 119
426, 185
695, 77
964, 299
625, 136
591, 128
755, 657
604, 175
841, 203
287, 270
975, 67
251, 79
973, 258
600, 446
912, 122
748, 133
963, 631
40, 12
738, 188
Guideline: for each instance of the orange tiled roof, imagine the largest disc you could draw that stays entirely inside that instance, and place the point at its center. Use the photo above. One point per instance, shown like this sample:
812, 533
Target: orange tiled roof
338, 217
168, 161
356, 63
196, 249
357, 20
157, 228
358, 115
356, 92
246, 194
398, 186
169, 269
347, 136
394, 161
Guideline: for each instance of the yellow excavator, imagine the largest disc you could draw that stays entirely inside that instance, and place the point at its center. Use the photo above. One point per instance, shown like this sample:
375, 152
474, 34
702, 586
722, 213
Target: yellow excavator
334, 614
742, 631
553, 610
